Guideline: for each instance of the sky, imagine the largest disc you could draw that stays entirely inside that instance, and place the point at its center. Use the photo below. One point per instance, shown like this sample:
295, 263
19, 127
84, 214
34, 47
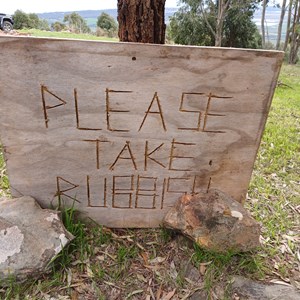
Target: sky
40, 6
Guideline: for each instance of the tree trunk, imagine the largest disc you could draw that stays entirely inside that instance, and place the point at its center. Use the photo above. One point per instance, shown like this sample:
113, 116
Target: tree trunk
263, 15
295, 35
219, 25
205, 17
287, 36
222, 9
283, 8
142, 21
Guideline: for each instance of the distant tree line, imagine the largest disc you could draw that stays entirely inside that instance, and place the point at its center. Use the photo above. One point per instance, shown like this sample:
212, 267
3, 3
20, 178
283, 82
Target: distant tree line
291, 44
106, 25
229, 23
221, 23
293, 30
23, 20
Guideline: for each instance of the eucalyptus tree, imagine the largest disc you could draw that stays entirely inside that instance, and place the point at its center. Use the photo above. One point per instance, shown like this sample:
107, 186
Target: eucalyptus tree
286, 42
282, 14
294, 33
76, 23
263, 17
216, 23
107, 22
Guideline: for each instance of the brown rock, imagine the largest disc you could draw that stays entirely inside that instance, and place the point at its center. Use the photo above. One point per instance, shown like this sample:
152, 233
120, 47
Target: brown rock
215, 221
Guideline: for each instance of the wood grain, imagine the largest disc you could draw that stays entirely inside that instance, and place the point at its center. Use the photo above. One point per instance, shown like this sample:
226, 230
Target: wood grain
122, 130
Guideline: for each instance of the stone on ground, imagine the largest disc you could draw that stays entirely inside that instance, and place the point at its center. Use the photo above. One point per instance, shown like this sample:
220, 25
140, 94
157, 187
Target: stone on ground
215, 221
30, 237
246, 289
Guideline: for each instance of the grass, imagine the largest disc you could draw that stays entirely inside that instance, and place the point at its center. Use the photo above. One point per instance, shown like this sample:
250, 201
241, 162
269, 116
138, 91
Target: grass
274, 193
65, 35
4, 183
133, 264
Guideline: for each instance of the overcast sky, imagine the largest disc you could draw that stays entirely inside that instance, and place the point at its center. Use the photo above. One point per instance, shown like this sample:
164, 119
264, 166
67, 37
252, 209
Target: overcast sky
39, 6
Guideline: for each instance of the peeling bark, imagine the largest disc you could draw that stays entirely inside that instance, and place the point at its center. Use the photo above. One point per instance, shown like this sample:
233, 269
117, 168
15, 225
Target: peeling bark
295, 35
222, 9
263, 16
288, 26
283, 9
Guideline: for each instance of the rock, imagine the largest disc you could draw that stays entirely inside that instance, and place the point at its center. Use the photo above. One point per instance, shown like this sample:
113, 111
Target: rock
244, 288
192, 273
215, 222
30, 237
199, 295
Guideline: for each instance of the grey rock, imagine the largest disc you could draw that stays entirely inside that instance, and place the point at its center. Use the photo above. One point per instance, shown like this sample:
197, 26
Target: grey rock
30, 237
192, 273
199, 295
215, 221
244, 288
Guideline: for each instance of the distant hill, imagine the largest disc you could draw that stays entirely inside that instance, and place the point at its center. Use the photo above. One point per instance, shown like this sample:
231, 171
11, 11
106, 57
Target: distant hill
272, 18
91, 15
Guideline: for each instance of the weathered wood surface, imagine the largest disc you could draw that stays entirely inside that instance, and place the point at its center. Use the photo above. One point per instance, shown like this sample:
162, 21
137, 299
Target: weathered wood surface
125, 129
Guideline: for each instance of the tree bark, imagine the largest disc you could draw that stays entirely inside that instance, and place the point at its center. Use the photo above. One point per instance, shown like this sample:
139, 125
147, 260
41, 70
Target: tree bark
287, 36
283, 8
263, 15
222, 9
142, 21
219, 25
295, 35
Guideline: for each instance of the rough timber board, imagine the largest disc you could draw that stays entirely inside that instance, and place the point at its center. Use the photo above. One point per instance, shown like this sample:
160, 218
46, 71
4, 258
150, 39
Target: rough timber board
125, 129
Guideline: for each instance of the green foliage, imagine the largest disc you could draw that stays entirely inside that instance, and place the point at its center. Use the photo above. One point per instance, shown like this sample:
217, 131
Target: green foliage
106, 25
187, 27
124, 256
4, 183
43, 25
166, 234
239, 29
33, 20
23, 20
58, 26
194, 24
216, 264
274, 189
14, 289
79, 244
100, 237
107, 22
76, 23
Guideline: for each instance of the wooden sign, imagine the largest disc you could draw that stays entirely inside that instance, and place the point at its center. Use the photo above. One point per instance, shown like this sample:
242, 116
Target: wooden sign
123, 130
